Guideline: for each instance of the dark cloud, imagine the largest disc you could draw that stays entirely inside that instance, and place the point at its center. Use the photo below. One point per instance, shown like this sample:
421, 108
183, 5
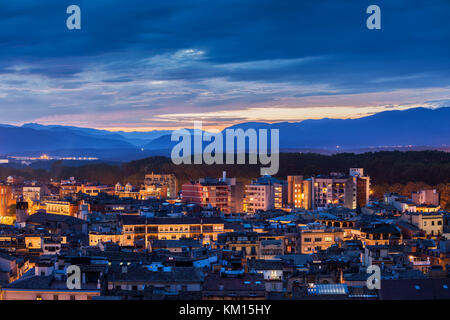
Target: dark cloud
164, 54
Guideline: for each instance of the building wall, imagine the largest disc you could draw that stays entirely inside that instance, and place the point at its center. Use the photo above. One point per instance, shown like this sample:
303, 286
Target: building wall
258, 197
95, 238
17, 294
217, 195
311, 240
132, 233
426, 197
61, 207
295, 191
333, 191
430, 224
167, 180
6, 200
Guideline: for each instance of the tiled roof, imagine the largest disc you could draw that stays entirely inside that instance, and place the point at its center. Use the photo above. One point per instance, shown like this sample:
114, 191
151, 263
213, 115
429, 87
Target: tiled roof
260, 264
42, 217
141, 273
415, 289
33, 282
250, 282
136, 220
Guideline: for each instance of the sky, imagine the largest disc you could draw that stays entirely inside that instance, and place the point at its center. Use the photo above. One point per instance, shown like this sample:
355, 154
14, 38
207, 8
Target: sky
144, 65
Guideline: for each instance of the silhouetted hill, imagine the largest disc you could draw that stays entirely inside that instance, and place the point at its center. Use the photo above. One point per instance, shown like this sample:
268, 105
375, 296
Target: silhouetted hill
414, 128
26, 139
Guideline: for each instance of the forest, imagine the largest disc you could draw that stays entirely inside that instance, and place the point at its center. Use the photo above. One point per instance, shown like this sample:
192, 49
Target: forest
402, 172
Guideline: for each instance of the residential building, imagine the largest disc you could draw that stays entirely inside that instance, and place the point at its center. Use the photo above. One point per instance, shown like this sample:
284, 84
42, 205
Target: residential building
432, 223
6, 200
208, 192
169, 181
430, 197
265, 193
61, 207
245, 242
221, 286
332, 190
362, 183
317, 237
138, 230
272, 271
138, 277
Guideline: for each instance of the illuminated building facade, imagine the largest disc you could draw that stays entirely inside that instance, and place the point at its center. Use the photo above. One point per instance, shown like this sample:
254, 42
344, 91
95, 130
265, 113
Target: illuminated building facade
314, 238
246, 242
299, 192
265, 193
162, 180
432, 223
139, 230
333, 190
362, 184
66, 208
208, 192
430, 197
6, 200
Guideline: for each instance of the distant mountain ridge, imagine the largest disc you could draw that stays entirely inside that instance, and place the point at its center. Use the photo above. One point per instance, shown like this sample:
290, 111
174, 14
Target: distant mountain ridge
411, 127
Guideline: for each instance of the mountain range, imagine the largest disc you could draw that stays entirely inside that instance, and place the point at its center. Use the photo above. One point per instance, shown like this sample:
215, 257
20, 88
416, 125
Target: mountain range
412, 128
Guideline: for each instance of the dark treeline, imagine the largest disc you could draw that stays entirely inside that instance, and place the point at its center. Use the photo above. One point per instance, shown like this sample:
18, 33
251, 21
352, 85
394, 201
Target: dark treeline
386, 169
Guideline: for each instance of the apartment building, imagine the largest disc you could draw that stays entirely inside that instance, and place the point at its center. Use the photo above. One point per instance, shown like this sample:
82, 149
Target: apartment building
429, 197
208, 192
432, 223
95, 190
138, 278
318, 237
138, 230
32, 193
381, 234
265, 193
246, 242
362, 184
165, 182
48, 282
6, 199
66, 208
236, 193
335, 189
299, 192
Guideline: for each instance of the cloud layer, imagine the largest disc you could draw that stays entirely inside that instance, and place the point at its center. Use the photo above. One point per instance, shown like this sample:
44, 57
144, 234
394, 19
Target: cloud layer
163, 64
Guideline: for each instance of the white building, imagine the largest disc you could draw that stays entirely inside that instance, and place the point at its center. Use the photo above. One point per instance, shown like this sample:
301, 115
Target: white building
265, 193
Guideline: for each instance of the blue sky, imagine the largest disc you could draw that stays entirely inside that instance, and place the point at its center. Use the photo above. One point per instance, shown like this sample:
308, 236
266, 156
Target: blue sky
141, 65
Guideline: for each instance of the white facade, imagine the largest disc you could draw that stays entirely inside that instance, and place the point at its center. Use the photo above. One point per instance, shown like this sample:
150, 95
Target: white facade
258, 197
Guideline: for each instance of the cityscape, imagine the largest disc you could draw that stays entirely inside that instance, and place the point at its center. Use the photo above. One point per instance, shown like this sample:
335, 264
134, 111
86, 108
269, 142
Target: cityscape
230, 158
215, 238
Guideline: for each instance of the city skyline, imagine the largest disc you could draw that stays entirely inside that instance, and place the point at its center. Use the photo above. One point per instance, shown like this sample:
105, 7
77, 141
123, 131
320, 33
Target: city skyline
225, 157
